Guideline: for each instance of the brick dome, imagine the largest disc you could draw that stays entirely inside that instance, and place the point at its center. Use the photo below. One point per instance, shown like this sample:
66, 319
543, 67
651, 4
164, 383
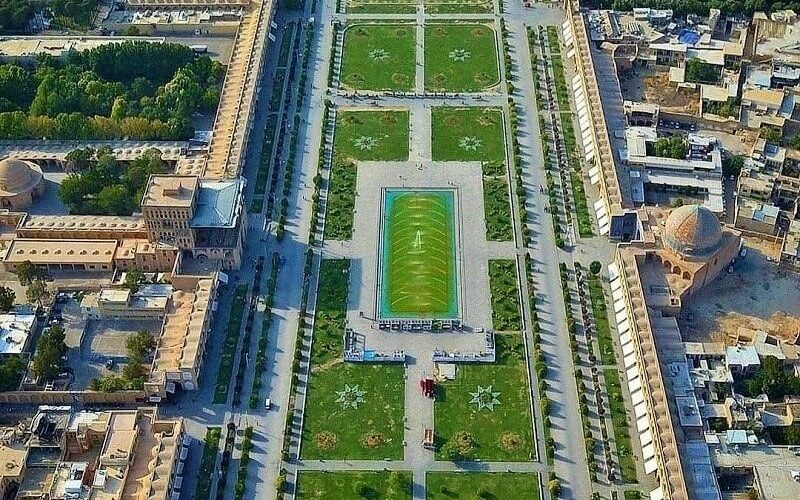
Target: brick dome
692, 231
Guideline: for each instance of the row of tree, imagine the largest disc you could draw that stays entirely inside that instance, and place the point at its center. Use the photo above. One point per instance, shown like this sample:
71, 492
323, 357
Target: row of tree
100, 185
135, 90
15, 15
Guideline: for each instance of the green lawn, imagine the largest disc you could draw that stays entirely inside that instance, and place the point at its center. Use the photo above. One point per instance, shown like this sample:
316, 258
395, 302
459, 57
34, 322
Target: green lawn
496, 485
381, 6
324, 485
371, 135
207, 462
360, 135
505, 297
460, 57
600, 313
622, 432
467, 134
418, 272
229, 346
379, 57
458, 6
333, 430
503, 434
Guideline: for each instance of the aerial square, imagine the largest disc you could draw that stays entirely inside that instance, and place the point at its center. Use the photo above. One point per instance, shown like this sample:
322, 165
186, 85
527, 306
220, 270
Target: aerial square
399, 250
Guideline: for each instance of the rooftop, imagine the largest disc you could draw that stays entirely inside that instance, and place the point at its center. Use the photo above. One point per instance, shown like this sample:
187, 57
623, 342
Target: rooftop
218, 203
173, 191
53, 252
14, 331
29, 46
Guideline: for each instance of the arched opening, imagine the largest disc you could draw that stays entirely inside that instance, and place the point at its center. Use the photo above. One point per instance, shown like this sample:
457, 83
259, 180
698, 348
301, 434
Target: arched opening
686, 275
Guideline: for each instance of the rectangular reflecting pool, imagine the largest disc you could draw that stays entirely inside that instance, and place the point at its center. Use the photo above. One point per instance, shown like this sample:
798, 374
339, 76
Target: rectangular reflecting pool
418, 272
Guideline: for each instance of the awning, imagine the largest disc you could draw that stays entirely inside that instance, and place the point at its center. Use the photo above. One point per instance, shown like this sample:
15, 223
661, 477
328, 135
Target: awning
650, 466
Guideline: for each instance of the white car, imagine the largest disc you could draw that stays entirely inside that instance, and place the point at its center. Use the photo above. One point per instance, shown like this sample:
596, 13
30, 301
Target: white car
268, 404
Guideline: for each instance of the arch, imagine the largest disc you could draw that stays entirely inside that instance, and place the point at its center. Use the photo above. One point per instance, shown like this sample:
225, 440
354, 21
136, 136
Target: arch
687, 276
676, 270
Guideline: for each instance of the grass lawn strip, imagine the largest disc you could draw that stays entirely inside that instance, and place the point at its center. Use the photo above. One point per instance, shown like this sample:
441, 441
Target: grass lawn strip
207, 463
460, 57
493, 485
324, 485
600, 313
360, 135
381, 6
229, 346
622, 434
505, 297
458, 7
379, 57
374, 428
500, 434
497, 208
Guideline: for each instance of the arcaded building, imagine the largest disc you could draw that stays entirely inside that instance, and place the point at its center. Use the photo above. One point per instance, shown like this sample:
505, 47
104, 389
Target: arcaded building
21, 182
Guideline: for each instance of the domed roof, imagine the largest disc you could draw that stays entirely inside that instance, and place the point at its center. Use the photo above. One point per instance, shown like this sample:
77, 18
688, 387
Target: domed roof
17, 176
692, 230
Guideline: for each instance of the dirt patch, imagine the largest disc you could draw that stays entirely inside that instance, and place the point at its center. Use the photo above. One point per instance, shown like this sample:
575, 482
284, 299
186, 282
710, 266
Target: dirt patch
328, 364
372, 440
510, 441
654, 87
757, 295
325, 440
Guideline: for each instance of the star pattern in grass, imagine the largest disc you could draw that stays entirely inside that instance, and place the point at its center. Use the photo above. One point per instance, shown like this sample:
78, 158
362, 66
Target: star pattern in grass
485, 397
470, 143
460, 54
379, 54
350, 396
365, 143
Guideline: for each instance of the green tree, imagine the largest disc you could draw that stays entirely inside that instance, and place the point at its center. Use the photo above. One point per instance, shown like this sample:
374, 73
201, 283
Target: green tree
11, 369
47, 360
595, 267
7, 297
133, 279
732, 165
399, 482
771, 135
37, 292
140, 344
699, 71
28, 273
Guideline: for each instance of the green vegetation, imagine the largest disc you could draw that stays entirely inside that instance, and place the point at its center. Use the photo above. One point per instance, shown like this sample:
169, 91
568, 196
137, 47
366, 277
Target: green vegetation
486, 485
373, 429
207, 463
12, 367
135, 90
785, 436
732, 165
458, 6
360, 135
633, 495
381, 6
699, 71
729, 108
600, 313
241, 475
48, 359
668, 147
371, 135
463, 432
418, 272
379, 57
467, 134
104, 186
229, 346
505, 295
772, 378
73, 14
7, 298
497, 208
477, 134
619, 417
325, 485
460, 57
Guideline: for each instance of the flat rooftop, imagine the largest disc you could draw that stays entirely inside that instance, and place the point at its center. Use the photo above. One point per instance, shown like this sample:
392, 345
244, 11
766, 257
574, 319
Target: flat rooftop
30, 46
53, 252
173, 191
772, 465
14, 331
